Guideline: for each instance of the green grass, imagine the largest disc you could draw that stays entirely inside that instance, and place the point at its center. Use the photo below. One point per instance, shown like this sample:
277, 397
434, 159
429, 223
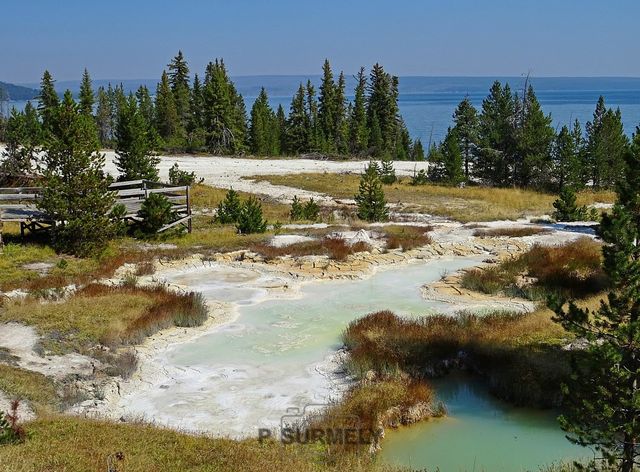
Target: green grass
28, 385
462, 204
72, 444
105, 315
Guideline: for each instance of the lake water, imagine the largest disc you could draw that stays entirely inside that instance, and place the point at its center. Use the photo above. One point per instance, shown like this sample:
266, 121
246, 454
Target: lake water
427, 103
248, 373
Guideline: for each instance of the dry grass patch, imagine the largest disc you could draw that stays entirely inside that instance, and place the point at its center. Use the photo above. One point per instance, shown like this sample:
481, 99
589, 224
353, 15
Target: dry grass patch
206, 196
111, 316
509, 232
334, 248
61, 444
573, 270
407, 237
462, 204
519, 354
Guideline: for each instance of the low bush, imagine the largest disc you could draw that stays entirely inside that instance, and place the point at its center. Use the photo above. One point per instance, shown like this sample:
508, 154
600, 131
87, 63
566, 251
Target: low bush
520, 355
407, 237
10, 431
156, 211
229, 209
509, 232
334, 248
250, 219
573, 269
180, 177
308, 211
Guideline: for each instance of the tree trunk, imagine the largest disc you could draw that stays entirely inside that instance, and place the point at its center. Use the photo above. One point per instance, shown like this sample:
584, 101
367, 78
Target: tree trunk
628, 453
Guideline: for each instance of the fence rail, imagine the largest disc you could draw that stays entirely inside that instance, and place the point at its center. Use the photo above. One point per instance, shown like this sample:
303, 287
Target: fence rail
21, 203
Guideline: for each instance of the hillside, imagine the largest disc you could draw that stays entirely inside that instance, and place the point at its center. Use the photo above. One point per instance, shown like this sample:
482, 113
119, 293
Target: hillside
17, 92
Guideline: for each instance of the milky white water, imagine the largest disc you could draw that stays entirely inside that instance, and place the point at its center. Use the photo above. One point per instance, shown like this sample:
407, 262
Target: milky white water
277, 353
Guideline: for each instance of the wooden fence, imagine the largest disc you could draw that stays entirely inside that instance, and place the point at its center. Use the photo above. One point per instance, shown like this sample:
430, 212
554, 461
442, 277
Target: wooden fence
18, 204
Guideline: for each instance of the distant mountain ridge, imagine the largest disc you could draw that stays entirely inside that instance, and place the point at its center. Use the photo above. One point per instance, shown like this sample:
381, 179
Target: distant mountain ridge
16, 92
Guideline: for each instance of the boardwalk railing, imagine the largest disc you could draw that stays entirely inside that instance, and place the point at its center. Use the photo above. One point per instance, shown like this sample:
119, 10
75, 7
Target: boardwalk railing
21, 203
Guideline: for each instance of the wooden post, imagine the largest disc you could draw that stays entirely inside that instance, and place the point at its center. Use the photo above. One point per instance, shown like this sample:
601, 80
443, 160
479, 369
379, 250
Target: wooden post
189, 228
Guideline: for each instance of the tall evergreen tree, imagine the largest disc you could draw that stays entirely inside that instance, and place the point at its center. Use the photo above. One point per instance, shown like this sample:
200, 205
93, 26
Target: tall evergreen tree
601, 401
328, 109
297, 132
466, 125
103, 117
341, 123
417, 151
75, 192
532, 164
358, 129
22, 137
179, 79
263, 132
133, 146
446, 163
606, 145
496, 136
87, 99
315, 140
281, 120
167, 120
48, 99
224, 114
567, 162
382, 104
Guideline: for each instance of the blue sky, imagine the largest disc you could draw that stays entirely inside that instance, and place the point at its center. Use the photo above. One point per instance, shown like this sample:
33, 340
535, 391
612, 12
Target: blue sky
135, 38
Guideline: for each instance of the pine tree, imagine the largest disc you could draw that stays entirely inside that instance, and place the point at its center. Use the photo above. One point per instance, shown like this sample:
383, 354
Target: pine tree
315, 140
417, 151
382, 104
75, 192
567, 159
496, 137
167, 120
23, 136
250, 219
446, 163
601, 400
376, 141
372, 206
87, 98
133, 147
606, 144
466, 125
387, 172
566, 208
263, 132
535, 135
179, 80
328, 109
48, 99
281, 120
341, 117
229, 209
358, 129
297, 133
103, 118
224, 114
